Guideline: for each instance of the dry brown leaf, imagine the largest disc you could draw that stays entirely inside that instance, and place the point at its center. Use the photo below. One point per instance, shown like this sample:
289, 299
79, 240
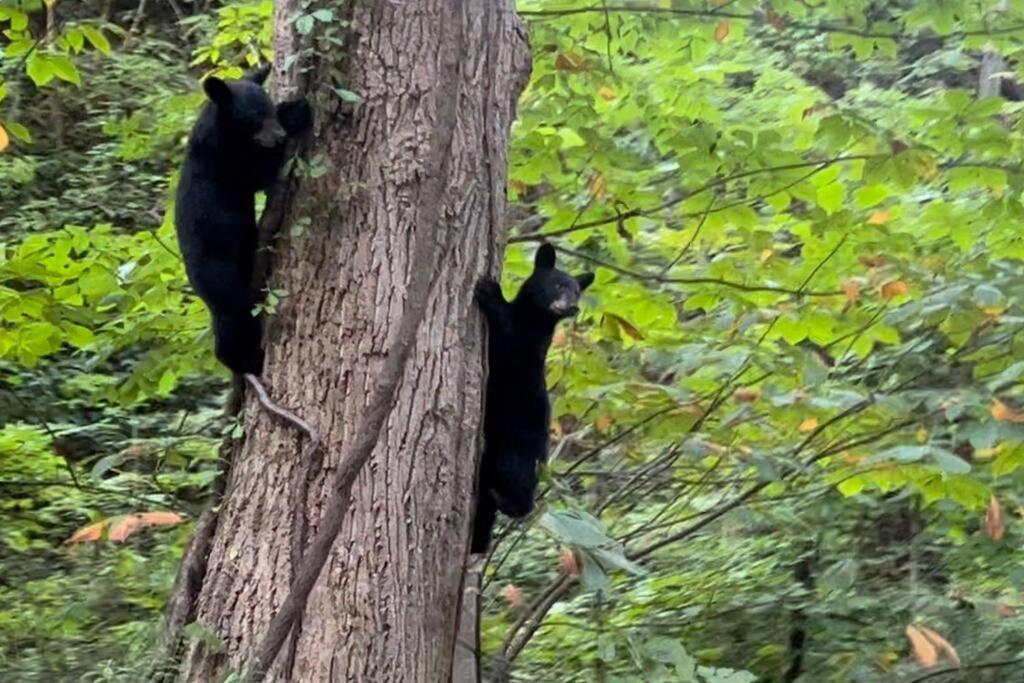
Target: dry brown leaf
922, 649
689, 409
880, 217
1005, 413
606, 93
90, 533
626, 326
722, 30
851, 288
777, 21
746, 395
1006, 611
512, 595
122, 528
560, 338
808, 425
5, 139
873, 261
894, 288
569, 562
994, 526
137, 450
569, 61
941, 644
604, 423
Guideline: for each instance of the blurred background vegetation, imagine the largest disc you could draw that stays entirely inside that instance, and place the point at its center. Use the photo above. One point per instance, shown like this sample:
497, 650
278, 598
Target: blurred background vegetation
789, 420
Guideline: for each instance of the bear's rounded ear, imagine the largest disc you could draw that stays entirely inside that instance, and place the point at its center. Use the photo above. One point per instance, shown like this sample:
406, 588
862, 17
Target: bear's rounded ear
545, 257
258, 75
217, 90
585, 280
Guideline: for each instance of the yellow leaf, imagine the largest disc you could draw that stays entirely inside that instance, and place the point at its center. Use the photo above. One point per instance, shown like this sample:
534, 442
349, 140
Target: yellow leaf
894, 288
852, 458
988, 453
5, 139
808, 425
766, 254
598, 187
606, 93
1005, 413
880, 217
722, 30
604, 423
941, 644
994, 526
924, 652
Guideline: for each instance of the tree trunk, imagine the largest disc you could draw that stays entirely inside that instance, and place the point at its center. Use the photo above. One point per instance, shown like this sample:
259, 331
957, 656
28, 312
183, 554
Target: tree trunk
386, 605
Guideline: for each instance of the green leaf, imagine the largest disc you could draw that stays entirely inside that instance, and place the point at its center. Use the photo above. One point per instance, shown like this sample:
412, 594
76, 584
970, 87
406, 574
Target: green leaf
65, 69
77, 335
347, 95
304, 24
830, 197
19, 131
575, 528
96, 38
39, 69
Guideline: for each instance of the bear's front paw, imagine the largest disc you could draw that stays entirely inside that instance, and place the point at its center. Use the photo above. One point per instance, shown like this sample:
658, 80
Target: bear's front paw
295, 116
488, 291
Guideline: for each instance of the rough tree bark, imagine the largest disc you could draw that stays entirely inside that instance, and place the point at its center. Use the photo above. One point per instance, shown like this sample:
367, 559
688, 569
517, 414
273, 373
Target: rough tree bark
386, 606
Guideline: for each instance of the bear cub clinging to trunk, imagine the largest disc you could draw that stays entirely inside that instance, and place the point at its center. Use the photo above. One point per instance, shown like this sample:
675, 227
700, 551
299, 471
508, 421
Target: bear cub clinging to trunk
518, 412
236, 148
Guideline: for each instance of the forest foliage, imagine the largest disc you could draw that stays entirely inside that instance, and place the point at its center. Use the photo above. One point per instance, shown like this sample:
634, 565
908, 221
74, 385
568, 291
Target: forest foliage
789, 422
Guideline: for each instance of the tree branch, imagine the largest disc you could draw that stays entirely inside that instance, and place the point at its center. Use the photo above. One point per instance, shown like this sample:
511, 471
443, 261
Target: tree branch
717, 182
713, 14
655, 277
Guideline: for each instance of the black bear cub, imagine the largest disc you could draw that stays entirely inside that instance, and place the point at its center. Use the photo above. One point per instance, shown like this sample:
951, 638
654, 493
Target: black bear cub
518, 411
236, 148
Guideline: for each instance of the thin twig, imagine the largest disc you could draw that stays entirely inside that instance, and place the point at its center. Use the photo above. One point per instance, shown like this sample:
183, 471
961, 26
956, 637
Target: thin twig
666, 279
283, 413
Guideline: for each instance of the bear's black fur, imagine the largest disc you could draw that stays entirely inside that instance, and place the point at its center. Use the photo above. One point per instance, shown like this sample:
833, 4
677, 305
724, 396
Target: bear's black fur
518, 412
236, 148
